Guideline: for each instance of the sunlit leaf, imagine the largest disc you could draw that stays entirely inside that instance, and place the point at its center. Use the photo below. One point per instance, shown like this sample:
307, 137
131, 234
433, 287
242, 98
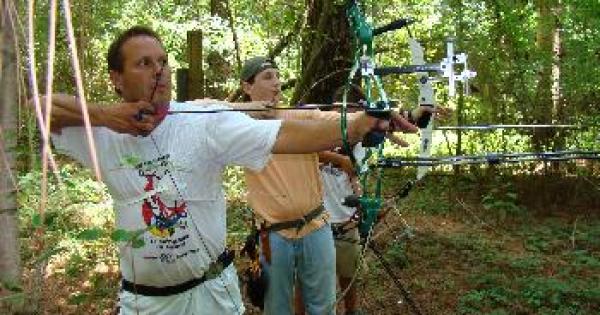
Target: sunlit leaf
36, 220
120, 235
90, 234
137, 243
49, 253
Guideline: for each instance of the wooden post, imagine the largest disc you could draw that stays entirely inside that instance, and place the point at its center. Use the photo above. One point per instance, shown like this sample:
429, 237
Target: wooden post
181, 77
195, 82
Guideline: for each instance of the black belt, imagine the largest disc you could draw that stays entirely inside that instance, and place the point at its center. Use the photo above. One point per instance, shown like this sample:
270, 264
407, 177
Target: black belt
222, 262
298, 223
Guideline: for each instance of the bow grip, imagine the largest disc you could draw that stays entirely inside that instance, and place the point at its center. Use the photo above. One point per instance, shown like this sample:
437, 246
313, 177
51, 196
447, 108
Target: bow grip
379, 112
373, 139
424, 119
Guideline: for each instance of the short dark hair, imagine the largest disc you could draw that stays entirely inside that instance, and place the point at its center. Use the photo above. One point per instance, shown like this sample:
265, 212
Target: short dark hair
246, 97
114, 57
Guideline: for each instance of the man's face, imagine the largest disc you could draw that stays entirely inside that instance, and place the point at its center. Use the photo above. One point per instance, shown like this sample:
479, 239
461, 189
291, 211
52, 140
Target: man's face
266, 86
144, 60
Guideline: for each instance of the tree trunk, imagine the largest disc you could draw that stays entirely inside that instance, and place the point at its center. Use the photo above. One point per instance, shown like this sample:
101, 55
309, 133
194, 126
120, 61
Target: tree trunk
218, 8
558, 102
326, 52
282, 43
10, 264
543, 101
218, 69
195, 80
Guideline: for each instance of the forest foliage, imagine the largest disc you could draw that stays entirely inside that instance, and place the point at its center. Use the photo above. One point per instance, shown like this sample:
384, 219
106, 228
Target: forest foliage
536, 63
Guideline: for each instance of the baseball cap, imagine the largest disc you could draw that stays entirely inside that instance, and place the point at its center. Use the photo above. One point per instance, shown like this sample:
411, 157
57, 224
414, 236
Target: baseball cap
255, 65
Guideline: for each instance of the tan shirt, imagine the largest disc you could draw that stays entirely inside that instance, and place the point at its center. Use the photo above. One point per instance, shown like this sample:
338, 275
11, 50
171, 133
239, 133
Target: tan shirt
290, 186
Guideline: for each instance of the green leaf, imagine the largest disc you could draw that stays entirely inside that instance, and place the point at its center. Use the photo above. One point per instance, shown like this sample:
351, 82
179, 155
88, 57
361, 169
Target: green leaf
36, 220
120, 235
137, 233
12, 297
70, 183
498, 204
137, 243
77, 299
487, 199
11, 286
49, 253
90, 234
49, 219
131, 161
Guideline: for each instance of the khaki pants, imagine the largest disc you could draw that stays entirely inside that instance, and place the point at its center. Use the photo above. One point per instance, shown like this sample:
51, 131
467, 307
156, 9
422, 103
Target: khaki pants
347, 251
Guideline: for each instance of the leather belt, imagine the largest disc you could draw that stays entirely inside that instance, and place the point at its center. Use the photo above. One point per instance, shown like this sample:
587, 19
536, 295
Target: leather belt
214, 270
298, 223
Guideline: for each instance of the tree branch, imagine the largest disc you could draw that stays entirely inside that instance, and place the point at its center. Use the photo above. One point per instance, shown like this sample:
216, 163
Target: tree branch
235, 37
283, 42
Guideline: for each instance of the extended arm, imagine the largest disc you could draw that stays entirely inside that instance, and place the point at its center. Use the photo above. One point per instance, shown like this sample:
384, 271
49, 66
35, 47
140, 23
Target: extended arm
120, 117
256, 110
261, 109
308, 136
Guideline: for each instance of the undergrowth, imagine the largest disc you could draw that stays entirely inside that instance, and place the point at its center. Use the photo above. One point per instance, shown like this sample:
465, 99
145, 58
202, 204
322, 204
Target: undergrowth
482, 243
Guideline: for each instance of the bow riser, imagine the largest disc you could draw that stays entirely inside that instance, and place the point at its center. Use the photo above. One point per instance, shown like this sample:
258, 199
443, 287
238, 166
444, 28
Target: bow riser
426, 98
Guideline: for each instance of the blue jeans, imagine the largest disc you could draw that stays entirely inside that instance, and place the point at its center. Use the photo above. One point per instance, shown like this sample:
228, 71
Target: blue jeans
312, 260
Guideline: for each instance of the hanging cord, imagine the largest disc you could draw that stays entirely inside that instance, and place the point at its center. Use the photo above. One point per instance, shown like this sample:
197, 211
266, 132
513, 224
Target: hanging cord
80, 89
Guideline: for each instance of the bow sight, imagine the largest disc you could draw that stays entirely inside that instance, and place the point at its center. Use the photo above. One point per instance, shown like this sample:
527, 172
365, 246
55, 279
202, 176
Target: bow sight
446, 67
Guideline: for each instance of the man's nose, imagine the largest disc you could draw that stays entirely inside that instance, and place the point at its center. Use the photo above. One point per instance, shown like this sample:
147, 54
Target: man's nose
159, 68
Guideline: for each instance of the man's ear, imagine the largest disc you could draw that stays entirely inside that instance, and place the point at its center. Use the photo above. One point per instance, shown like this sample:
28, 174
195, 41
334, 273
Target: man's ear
117, 80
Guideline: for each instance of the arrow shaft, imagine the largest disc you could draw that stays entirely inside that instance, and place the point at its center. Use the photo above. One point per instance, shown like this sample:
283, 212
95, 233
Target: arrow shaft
492, 127
493, 158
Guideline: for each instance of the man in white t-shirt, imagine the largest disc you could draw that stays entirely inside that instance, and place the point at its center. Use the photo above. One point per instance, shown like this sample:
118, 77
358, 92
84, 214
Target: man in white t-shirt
338, 184
166, 185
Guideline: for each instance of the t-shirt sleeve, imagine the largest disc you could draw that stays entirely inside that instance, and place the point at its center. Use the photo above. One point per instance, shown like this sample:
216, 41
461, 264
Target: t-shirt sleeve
235, 138
73, 142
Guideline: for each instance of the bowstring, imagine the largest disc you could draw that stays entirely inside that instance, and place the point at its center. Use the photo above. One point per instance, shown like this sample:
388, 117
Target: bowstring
347, 147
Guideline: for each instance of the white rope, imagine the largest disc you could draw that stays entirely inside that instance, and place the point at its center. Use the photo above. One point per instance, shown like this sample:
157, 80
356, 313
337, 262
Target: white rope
35, 89
48, 105
33, 83
80, 89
